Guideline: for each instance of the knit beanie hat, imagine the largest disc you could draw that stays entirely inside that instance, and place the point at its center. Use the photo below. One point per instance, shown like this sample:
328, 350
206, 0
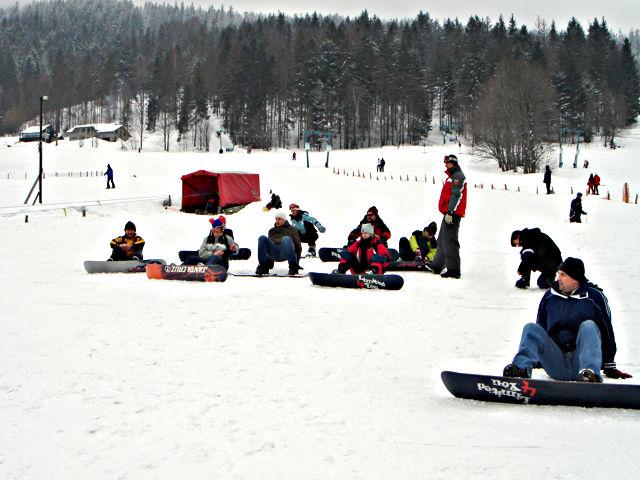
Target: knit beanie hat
366, 228
574, 267
432, 228
452, 158
373, 210
130, 226
217, 223
281, 214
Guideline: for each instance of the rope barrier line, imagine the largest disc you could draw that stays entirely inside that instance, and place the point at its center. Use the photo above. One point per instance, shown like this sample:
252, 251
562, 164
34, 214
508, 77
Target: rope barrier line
626, 196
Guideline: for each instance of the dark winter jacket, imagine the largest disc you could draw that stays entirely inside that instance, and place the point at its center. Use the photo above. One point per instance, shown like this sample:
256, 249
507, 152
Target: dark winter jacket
136, 244
539, 252
547, 175
576, 210
380, 230
453, 197
276, 234
561, 316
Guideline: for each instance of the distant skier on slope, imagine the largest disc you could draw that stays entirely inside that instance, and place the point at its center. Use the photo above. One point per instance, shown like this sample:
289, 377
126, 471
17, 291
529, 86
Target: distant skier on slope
109, 174
575, 212
538, 253
128, 246
573, 336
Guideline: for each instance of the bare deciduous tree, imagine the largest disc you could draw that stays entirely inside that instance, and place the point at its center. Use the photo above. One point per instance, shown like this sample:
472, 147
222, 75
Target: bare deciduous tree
515, 117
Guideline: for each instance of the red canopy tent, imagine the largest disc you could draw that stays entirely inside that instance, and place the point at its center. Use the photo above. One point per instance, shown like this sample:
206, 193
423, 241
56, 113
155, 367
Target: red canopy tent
232, 188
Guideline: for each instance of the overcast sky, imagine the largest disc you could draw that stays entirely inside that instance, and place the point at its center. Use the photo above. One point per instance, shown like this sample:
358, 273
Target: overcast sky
620, 14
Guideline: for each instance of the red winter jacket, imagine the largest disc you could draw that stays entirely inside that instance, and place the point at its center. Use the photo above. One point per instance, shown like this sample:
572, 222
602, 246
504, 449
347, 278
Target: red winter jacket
363, 255
453, 196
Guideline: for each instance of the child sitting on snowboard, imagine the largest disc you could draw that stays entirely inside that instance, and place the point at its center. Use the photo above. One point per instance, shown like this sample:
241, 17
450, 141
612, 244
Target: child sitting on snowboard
366, 255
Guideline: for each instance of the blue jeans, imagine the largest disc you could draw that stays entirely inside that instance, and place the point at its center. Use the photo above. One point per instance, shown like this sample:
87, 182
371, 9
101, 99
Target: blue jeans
218, 260
537, 346
271, 252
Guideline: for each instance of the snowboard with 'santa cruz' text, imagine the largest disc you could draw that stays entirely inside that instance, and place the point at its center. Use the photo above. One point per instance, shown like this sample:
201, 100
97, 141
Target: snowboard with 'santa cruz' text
191, 273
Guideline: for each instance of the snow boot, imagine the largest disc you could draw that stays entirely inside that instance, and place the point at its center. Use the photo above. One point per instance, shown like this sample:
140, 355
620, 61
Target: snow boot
514, 371
588, 375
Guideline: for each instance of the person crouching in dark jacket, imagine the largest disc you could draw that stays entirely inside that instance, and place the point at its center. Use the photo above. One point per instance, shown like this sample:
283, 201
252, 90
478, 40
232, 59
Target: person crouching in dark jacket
538, 253
281, 243
366, 254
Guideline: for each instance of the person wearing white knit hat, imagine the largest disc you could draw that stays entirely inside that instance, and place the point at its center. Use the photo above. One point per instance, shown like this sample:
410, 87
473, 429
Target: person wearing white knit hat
280, 244
366, 255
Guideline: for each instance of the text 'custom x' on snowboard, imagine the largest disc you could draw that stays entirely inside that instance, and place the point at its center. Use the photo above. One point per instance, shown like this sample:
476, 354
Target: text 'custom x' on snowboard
528, 391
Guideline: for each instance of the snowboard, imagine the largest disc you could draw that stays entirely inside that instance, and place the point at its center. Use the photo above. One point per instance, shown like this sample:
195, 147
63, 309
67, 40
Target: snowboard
371, 282
332, 254
275, 274
192, 273
122, 266
495, 388
243, 254
401, 265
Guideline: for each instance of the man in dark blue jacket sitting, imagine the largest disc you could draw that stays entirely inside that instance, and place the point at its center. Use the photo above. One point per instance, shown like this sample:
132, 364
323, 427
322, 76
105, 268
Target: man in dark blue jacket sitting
573, 337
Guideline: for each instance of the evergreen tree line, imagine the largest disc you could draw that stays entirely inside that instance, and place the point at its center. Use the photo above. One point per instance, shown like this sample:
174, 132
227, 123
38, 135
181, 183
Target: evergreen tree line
370, 82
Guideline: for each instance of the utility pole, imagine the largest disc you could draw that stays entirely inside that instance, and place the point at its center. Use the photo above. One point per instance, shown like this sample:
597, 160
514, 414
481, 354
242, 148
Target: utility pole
43, 99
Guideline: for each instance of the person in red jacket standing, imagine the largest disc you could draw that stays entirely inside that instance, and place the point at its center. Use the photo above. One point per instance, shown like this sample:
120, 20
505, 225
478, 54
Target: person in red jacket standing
452, 204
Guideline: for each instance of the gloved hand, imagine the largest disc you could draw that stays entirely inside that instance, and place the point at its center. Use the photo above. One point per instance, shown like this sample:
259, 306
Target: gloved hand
615, 373
448, 218
321, 229
418, 257
210, 247
584, 213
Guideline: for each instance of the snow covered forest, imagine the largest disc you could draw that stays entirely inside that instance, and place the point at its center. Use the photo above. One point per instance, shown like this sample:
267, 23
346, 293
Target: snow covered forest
508, 88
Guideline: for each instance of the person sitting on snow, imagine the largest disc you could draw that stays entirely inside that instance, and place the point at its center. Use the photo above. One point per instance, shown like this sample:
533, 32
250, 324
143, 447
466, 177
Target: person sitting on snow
573, 336
421, 246
216, 247
128, 246
306, 226
281, 243
381, 231
366, 255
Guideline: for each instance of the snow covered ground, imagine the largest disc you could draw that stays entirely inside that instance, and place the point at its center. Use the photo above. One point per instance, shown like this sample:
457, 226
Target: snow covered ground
121, 377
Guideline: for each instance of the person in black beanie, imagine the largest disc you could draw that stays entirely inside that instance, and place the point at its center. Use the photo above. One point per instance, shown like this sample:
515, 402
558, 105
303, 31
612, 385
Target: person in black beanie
421, 246
128, 246
573, 336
